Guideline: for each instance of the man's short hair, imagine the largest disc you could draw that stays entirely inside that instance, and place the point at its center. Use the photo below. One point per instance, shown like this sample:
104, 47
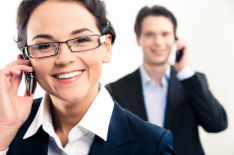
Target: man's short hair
155, 10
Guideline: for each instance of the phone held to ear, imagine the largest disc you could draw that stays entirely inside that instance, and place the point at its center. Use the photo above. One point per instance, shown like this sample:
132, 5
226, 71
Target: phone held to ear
30, 78
179, 54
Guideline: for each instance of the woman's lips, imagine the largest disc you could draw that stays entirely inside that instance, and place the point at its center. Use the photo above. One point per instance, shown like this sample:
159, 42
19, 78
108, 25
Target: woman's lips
68, 77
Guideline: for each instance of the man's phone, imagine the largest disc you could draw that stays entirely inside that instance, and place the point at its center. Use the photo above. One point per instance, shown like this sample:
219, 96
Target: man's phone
30, 78
179, 54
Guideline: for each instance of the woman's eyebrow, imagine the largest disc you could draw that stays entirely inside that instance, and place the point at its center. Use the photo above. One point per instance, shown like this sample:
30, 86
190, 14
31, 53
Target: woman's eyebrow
80, 31
45, 36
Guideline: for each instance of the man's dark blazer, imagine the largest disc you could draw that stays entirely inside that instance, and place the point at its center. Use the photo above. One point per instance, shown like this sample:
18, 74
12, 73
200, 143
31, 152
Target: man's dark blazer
189, 104
127, 135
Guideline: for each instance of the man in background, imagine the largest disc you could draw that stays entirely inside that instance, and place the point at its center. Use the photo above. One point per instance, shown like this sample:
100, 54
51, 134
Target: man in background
174, 97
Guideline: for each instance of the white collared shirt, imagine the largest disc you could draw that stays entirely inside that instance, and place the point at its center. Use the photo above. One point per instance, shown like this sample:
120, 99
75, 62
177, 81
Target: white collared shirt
95, 122
155, 97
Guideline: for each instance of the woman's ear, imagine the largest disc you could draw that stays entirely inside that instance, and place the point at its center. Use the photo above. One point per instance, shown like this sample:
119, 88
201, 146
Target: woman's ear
108, 49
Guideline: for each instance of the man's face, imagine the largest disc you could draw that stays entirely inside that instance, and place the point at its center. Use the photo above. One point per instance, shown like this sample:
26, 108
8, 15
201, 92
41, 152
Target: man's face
156, 38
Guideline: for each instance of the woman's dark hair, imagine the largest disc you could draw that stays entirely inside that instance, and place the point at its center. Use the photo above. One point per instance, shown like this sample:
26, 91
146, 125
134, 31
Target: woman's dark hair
95, 7
155, 10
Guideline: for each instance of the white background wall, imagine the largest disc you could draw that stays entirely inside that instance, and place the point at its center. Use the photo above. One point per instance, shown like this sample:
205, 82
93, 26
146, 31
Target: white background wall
207, 26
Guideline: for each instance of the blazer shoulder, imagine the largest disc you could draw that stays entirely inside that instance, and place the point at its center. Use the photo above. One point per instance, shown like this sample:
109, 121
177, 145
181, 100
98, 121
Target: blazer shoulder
154, 136
144, 128
124, 81
126, 78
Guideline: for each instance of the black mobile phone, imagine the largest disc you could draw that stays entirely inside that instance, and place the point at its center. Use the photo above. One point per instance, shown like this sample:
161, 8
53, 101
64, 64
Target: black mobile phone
179, 54
30, 78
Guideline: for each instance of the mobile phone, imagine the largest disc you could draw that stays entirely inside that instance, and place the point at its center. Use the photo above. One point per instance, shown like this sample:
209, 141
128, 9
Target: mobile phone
30, 78
179, 54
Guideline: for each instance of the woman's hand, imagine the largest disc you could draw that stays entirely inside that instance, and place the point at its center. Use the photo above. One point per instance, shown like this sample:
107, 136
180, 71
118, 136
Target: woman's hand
14, 109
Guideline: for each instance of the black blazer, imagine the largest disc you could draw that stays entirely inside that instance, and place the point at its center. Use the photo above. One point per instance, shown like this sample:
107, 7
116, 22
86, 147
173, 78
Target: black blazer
190, 103
127, 135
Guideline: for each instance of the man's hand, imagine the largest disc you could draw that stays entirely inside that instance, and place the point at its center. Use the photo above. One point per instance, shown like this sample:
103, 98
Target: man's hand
184, 61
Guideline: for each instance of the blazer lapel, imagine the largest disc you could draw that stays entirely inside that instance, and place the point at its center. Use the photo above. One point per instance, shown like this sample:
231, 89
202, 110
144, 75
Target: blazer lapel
136, 98
36, 145
119, 139
174, 98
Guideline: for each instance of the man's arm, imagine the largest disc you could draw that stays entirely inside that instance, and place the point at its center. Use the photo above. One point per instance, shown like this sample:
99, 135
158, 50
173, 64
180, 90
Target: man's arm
211, 114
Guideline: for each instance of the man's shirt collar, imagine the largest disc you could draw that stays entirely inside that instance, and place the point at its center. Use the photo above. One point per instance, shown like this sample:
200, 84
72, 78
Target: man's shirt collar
147, 80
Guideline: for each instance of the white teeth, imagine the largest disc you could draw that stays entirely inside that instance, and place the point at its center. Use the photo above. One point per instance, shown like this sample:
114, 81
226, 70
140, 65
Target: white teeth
68, 75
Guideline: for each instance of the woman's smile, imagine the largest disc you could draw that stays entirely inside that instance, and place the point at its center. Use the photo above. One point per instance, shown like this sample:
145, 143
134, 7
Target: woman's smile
68, 77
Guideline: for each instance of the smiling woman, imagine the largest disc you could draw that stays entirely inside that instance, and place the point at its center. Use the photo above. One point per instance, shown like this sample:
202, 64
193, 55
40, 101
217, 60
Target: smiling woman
65, 44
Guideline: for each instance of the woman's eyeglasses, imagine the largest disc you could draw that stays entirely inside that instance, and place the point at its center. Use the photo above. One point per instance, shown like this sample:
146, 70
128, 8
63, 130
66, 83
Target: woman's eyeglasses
79, 44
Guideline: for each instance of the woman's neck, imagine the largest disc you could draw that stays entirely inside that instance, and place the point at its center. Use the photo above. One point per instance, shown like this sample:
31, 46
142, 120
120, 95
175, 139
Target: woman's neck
67, 115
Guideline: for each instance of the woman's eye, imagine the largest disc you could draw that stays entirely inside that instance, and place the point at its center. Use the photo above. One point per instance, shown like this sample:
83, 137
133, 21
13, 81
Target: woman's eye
82, 40
43, 46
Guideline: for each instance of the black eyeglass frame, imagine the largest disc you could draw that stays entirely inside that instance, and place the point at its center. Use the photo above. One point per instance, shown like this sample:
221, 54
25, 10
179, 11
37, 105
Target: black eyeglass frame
102, 41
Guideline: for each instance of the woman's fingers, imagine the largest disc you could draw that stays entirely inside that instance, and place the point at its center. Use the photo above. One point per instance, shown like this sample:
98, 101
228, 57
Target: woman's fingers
10, 77
17, 70
18, 62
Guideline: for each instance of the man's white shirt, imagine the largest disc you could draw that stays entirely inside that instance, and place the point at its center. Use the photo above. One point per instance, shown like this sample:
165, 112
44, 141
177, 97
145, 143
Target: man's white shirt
155, 97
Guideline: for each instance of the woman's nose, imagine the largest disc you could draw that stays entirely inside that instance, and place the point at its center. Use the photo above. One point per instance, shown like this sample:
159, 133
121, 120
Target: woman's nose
65, 55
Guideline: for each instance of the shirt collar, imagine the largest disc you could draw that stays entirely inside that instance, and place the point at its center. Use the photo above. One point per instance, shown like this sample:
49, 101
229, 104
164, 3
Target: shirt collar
41, 116
147, 80
95, 120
